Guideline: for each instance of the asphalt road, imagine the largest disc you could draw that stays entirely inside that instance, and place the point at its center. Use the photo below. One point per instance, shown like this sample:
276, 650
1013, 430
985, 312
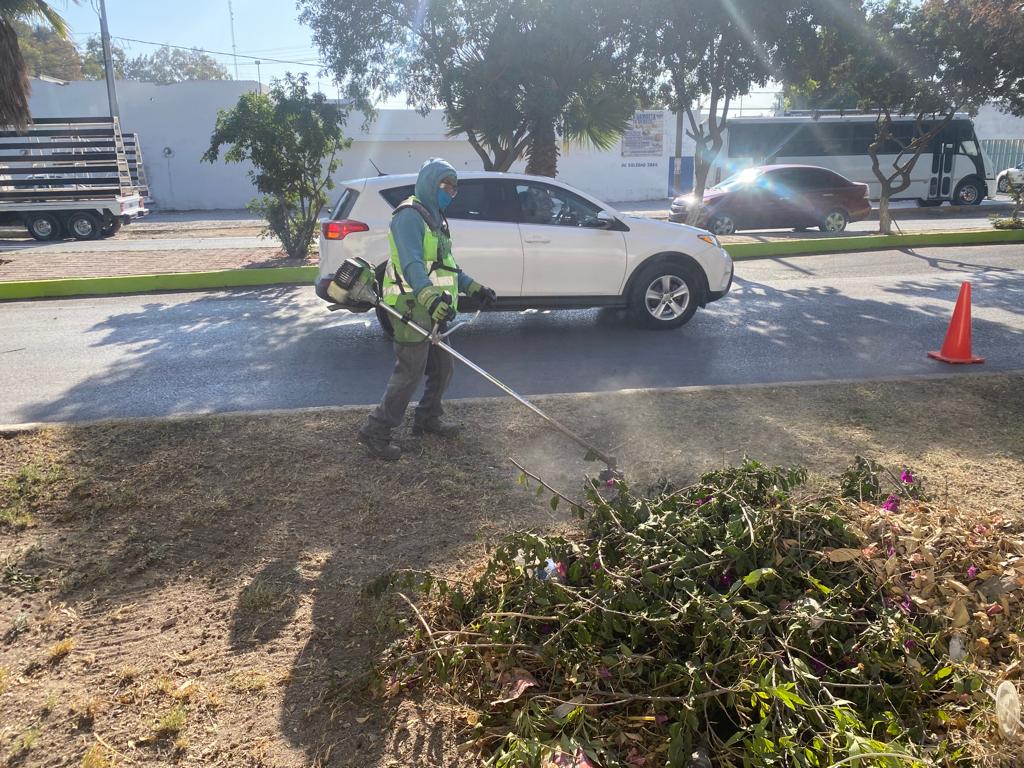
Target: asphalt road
864, 315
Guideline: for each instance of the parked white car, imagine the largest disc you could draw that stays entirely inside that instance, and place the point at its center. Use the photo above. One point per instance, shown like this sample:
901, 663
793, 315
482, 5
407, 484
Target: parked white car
1015, 174
541, 244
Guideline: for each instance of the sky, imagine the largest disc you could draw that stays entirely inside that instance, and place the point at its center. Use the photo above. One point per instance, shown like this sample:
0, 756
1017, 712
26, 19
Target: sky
264, 29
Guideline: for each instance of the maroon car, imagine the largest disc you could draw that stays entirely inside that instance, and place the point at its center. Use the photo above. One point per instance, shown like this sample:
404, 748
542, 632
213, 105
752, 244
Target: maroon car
778, 197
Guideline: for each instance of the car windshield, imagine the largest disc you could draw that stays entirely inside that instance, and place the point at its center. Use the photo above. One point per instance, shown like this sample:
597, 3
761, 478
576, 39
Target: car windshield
739, 179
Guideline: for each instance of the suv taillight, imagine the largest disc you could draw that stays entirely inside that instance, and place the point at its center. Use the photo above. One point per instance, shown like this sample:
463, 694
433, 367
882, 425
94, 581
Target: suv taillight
337, 230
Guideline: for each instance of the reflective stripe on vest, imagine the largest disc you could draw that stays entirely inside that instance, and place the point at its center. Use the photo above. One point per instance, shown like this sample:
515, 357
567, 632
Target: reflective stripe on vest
438, 261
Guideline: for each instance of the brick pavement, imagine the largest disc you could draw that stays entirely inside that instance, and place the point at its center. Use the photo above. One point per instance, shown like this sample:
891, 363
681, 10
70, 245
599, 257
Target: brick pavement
37, 264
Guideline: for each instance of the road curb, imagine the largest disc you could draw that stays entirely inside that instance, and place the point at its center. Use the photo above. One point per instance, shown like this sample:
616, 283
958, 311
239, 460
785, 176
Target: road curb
171, 281
265, 276
740, 251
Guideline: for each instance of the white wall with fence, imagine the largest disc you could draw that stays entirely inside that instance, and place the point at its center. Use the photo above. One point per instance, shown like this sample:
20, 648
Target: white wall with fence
174, 123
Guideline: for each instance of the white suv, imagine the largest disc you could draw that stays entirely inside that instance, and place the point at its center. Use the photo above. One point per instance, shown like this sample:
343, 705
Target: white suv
541, 244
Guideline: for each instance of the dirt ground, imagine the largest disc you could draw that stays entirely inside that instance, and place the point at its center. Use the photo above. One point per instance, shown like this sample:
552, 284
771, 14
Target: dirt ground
188, 591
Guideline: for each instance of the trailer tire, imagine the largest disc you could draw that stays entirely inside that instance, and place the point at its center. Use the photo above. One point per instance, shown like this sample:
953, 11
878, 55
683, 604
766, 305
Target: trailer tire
110, 229
44, 226
84, 226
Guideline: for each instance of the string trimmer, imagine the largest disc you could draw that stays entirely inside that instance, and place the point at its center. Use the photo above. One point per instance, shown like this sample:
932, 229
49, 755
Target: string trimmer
353, 288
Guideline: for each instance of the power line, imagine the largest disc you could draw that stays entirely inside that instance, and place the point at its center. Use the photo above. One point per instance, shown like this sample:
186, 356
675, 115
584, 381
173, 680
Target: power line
221, 53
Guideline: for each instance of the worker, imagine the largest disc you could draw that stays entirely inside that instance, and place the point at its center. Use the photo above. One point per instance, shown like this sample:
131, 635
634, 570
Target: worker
422, 281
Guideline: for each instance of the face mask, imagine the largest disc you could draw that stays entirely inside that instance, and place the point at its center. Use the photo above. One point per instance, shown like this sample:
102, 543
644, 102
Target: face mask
443, 199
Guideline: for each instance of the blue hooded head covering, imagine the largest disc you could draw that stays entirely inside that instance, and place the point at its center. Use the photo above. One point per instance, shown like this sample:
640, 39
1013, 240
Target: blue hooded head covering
433, 172
407, 226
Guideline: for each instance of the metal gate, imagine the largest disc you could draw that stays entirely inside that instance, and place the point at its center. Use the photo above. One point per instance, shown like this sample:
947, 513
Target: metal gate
1005, 153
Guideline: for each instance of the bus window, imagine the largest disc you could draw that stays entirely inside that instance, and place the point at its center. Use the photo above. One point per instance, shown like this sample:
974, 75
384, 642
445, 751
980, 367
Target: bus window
969, 148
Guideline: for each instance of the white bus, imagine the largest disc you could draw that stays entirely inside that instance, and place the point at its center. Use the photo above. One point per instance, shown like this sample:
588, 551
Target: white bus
953, 168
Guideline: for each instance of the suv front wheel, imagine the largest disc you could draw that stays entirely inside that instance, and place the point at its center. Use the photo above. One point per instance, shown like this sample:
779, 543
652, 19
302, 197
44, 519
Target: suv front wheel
664, 296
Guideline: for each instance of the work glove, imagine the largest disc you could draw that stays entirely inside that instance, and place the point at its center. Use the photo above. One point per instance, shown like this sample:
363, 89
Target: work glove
437, 302
484, 295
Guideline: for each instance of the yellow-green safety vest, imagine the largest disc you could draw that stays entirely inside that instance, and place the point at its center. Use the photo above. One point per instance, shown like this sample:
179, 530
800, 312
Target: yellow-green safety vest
438, 261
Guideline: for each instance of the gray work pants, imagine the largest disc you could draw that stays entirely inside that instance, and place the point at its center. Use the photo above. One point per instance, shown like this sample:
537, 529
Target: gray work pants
413, 361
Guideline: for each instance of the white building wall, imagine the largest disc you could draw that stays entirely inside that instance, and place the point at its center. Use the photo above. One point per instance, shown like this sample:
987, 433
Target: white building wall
174, 123
993, 124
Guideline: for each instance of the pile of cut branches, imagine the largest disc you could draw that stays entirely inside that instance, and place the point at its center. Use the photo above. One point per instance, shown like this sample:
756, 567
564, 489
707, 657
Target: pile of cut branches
744, 620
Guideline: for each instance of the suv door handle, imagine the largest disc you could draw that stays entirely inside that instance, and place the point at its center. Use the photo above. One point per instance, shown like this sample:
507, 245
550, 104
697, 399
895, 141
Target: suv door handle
536, 240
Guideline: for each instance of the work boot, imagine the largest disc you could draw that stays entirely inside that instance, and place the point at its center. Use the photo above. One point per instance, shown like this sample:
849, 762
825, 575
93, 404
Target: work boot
383, 447
434, 426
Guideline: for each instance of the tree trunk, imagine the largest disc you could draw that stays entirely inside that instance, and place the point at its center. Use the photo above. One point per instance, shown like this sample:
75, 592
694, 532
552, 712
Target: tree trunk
14, 85
542, 152
884, 219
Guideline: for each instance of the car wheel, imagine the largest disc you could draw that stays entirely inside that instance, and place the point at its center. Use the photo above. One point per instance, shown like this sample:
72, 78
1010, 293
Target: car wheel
834, 221
44, 226
83, 226
929, 203
1004, 185
664, 296
968, 192
722, 224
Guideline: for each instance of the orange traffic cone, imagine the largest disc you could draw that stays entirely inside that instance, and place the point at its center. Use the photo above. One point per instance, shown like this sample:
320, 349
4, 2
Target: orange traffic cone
957, 346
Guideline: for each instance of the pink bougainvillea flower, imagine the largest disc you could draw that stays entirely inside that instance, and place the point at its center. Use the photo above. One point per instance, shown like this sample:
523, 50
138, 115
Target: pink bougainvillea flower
595, 566
604, 672
892, 504
562, 570
972, 572
661, 718
727, 578
907, 477
890, 550
906, 605
910, 644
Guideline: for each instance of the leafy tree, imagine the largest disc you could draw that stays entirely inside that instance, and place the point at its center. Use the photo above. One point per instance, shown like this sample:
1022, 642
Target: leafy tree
14, 85
47, 53
928, 60
174, 65
511, 74
93, 67
713, 52
292, 138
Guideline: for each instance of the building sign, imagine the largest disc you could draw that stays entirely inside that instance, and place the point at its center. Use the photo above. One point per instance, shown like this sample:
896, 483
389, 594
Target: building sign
646, 135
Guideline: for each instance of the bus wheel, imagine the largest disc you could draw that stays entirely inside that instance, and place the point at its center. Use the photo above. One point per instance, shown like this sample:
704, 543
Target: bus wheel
968, 192
834, 221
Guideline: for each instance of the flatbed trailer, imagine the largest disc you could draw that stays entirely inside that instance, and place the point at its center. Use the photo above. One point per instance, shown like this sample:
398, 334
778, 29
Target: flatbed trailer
71, 177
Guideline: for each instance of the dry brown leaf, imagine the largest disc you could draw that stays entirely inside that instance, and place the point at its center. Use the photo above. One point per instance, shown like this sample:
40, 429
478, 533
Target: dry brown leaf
844, 555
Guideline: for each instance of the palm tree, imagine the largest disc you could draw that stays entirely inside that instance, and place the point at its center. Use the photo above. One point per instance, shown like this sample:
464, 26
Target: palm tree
14, 86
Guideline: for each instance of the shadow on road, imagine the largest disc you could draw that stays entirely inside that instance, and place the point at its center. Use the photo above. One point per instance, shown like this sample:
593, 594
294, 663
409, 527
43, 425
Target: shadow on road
278, 348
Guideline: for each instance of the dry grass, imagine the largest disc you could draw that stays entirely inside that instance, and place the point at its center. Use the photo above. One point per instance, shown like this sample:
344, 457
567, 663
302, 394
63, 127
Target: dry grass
96, 757
59, 650
208, 572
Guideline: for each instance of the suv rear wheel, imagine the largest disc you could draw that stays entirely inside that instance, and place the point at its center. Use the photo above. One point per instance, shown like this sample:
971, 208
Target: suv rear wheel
664, 296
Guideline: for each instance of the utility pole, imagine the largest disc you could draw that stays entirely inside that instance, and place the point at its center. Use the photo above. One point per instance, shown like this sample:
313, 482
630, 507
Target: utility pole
234, 51
259, 79
108, 63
